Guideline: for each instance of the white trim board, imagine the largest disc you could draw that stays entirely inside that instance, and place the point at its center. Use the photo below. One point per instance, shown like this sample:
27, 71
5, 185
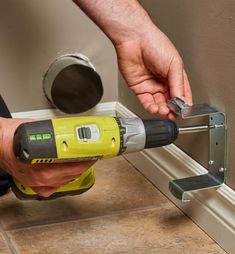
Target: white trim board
105, 108
212, 210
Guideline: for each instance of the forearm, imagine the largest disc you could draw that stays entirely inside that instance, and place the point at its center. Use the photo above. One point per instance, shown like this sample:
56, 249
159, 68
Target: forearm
2, 143
120, 20
7, 126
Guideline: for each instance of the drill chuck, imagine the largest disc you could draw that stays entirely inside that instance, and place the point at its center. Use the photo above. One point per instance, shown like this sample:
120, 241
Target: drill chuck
147, 133
159, 132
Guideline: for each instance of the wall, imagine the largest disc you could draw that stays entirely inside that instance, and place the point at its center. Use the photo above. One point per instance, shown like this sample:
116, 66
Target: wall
33, 34
204, 33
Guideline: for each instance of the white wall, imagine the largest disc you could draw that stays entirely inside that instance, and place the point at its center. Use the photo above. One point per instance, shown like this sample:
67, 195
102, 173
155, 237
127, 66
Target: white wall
34, 33
204, 33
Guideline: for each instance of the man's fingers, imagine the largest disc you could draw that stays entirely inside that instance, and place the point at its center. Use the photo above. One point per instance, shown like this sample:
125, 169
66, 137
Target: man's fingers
179, 83
161, 100
53, 174
44, 191
62, 170
172, 116
148, 103
151, 86
154, 104
187, 89
176, 78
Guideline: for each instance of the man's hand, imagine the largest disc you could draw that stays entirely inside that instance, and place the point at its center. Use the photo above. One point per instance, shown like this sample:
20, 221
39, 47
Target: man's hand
44, 179
150, 64
154, 71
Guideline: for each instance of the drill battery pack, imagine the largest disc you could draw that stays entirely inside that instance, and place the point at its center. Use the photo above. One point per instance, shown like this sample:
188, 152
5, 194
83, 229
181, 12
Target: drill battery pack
75, 187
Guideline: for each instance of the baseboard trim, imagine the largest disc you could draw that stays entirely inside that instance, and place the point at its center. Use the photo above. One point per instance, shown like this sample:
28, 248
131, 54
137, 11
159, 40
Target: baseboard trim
212, 210
106, 108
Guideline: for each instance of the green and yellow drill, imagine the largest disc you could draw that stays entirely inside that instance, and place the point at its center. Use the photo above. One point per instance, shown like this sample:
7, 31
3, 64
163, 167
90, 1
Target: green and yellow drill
85, 138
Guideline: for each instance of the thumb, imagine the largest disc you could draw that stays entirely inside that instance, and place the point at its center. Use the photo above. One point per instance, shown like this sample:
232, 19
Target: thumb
176, 78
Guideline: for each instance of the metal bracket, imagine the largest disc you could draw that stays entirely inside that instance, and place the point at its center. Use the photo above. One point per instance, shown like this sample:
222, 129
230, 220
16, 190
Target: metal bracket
217, 149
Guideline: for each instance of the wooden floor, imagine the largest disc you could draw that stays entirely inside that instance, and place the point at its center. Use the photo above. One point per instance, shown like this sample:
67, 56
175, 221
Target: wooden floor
122, 213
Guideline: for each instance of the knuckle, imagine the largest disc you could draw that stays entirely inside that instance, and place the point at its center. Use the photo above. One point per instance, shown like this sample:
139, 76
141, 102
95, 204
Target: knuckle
178, 61
30, 181
44, 192
45, 178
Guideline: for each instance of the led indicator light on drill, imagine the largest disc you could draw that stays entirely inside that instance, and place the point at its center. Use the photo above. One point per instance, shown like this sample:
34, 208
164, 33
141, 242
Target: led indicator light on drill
43, 136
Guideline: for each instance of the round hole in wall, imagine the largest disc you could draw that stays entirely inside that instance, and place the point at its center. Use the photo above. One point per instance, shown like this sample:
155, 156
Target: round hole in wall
72, 84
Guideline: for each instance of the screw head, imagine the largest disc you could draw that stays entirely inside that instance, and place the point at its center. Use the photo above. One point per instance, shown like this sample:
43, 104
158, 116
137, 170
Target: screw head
221, 170
211, 162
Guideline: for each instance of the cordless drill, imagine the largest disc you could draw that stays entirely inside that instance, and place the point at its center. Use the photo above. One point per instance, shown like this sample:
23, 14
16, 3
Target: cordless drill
85, 138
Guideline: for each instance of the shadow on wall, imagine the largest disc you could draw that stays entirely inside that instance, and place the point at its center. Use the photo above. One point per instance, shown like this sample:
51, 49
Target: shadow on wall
23, 29
33, 34
22, 33
204, 33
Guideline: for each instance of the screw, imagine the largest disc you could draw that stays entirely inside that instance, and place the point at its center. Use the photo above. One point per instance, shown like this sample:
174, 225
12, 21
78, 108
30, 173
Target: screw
211, 162
221, 170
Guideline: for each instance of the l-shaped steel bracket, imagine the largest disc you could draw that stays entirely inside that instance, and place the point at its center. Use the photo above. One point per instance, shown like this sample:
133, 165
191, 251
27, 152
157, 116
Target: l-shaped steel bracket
217, 149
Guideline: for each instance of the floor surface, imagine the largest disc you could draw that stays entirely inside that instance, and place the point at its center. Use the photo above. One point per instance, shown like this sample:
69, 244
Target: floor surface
122, 213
